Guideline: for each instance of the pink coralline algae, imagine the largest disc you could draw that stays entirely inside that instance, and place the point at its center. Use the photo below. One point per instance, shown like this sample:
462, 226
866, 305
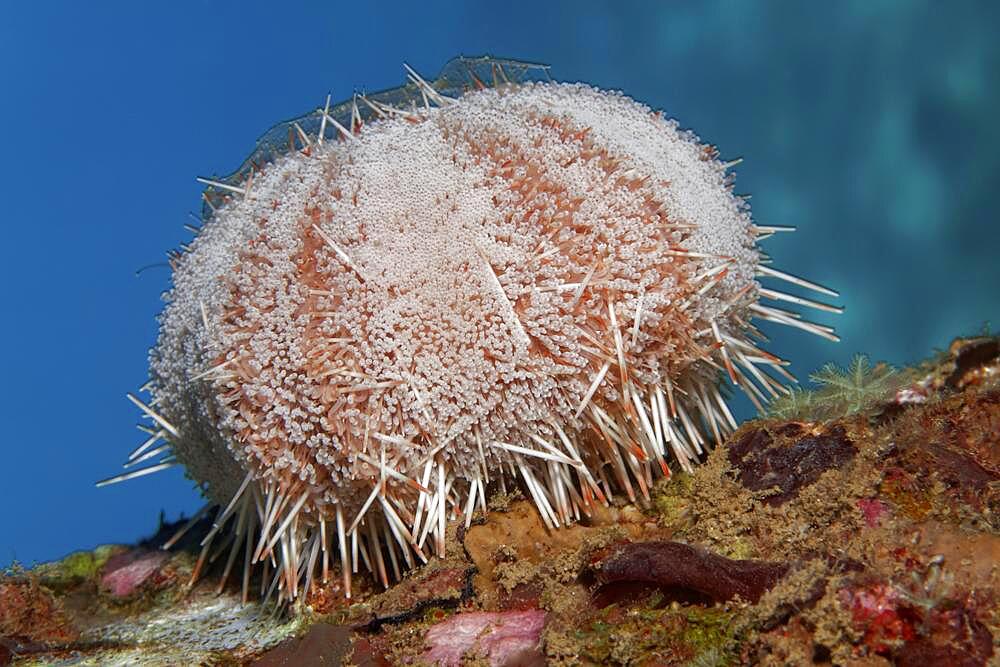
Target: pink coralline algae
126, 573
505, 639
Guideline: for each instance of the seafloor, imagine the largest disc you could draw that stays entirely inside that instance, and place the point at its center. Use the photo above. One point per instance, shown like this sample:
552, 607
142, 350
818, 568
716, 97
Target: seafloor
858, 525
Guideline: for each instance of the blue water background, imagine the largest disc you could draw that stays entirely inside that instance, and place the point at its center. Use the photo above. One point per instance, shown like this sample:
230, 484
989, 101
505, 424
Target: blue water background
871, 126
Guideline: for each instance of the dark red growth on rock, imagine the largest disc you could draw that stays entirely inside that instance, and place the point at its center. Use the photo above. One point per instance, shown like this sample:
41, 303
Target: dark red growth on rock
954, 638
367, 654
892, 624
324, 644
673, 565
971, 356
960, 469
525, 595
954, 442
790, 429
763, 463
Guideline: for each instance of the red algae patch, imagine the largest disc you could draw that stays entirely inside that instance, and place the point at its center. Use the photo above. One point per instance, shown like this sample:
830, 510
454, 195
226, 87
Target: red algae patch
787, 468
30, 613
673, 565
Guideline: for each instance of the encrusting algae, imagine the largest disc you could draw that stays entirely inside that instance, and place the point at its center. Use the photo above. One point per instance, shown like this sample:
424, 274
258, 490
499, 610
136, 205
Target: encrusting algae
775, 553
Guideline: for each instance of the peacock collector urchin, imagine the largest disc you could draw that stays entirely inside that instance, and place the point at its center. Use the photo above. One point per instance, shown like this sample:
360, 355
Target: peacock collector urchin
407, 300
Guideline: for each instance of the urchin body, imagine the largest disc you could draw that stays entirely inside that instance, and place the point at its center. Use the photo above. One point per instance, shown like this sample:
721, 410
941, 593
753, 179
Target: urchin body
539, 281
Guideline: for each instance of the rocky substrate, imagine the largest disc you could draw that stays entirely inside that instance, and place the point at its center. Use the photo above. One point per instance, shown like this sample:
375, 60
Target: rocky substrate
870, 537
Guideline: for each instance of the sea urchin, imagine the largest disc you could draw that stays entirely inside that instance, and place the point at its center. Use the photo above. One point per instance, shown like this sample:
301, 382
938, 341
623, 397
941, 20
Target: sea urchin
401, 302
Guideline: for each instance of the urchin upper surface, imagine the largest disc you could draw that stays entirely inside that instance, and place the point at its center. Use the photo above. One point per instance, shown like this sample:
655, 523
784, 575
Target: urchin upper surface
443, 280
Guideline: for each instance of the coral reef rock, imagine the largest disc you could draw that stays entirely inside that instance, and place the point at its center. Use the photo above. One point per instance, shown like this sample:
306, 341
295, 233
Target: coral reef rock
865, 537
